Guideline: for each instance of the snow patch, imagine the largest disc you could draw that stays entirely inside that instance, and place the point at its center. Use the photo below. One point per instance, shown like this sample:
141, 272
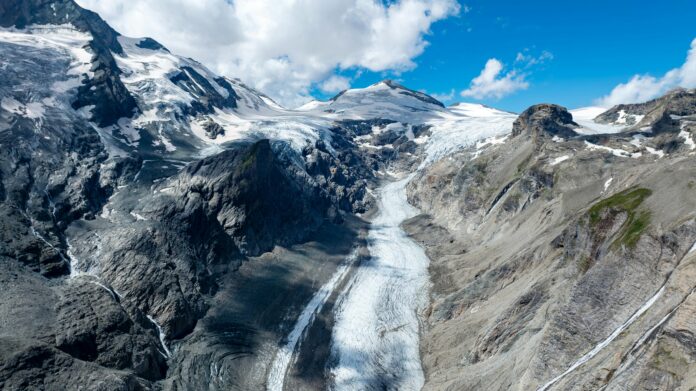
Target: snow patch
628, 119
165, 351
138, 217
585, 118
559, 159
607, 184
31, 110
688, 140
657, 152
614, 151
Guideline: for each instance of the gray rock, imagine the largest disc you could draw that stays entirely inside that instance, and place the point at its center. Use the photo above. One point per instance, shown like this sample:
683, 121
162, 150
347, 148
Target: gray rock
545, 120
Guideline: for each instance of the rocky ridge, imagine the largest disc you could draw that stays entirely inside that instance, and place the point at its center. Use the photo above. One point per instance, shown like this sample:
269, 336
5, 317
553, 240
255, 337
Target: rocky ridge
151, 243
543, 246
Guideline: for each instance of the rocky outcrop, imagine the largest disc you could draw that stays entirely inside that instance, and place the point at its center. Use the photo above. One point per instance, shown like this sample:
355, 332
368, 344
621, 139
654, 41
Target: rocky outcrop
545, 120
29, 365
207, 97
255, 197
92, 325
213, 129
78, 331
658, 114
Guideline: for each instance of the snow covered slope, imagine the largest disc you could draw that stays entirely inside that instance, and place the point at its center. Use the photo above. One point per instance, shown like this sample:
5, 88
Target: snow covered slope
586, 118
184, 110
386, 99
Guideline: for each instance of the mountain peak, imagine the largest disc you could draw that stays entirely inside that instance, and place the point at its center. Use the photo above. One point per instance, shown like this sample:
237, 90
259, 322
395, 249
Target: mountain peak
393, 89
545, 119
22, 13
656, 113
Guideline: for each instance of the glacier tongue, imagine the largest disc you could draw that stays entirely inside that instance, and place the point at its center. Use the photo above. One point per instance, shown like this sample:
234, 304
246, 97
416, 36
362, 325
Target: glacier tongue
376, 334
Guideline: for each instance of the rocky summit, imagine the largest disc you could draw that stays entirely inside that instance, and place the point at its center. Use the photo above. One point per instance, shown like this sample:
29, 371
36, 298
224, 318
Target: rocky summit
163, 227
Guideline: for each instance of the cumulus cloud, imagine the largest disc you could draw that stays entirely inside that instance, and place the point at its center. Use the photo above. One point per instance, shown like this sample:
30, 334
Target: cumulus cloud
494, 83
645, 87
284, 47
334, 84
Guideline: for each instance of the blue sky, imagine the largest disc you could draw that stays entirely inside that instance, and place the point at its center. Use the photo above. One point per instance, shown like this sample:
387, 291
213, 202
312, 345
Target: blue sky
595, 46
574, 52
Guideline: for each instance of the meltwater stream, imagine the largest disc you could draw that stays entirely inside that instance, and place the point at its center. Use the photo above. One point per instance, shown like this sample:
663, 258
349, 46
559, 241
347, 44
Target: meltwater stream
375, 335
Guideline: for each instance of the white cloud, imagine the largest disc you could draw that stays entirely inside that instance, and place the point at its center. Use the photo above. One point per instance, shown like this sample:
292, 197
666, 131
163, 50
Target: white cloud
492, 83
444, 97
283, 47
527, 60
642, 88
334, 84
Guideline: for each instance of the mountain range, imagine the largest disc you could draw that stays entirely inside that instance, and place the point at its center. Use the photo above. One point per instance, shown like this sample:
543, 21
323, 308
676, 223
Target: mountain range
163, 227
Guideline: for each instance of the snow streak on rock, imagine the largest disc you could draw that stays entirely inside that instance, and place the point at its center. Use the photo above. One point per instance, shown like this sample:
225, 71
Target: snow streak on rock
165, 351
587, 357
281, 362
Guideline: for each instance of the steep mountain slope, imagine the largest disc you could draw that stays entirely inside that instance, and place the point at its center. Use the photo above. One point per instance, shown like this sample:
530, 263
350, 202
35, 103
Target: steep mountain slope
163, 227
138, 189
560, 261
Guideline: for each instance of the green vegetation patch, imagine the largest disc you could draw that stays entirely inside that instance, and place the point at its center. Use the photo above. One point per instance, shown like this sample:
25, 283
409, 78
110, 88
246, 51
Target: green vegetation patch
634, 227
626, 201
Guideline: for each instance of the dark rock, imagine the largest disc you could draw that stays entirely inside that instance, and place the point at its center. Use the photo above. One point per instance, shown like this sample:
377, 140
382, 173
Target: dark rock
657, 112
545, 120
149, 43
213, 129
28, 365
208, 98
258, 199
92, 326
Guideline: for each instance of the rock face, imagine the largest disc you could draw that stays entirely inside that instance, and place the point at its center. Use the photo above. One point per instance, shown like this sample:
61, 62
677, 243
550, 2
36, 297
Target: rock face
168, 244
657, 113
105, 93
248, 194
545, 120
541, 249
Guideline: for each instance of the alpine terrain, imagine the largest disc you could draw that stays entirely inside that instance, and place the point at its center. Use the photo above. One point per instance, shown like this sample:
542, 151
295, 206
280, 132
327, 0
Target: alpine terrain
166, 228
